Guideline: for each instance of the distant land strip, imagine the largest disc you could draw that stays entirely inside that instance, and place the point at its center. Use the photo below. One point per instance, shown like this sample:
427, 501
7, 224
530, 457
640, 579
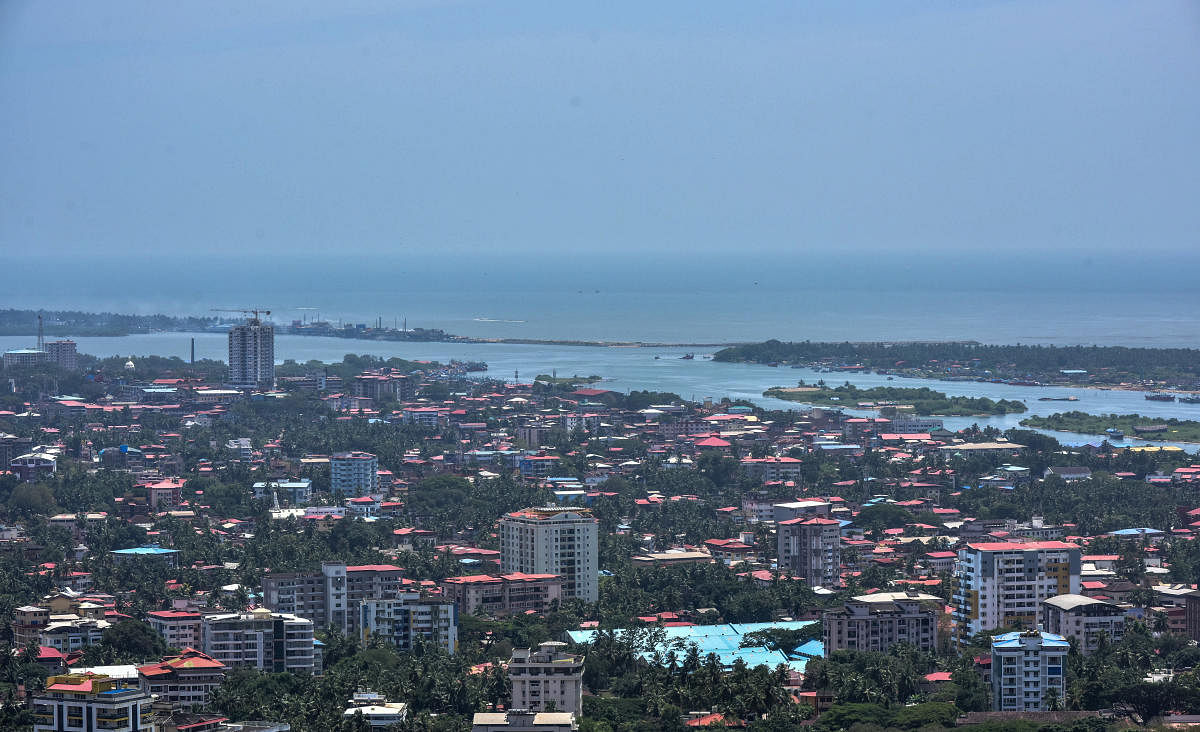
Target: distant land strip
1117, 367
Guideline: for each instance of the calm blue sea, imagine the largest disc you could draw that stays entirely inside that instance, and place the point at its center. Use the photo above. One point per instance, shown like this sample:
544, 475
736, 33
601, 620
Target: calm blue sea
997, 297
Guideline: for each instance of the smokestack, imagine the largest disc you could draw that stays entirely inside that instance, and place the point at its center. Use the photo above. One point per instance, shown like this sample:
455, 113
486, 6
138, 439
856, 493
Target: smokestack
193, 351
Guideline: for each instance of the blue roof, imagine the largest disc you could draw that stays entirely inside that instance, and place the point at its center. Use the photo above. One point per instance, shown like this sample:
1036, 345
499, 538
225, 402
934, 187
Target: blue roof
725, 641
145, 551
1013, 640
1134, 532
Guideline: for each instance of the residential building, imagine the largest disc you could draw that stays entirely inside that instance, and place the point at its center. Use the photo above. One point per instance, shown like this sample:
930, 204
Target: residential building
24, 358
553, 540
34, 466
27, 624
876, 622
1084, 619
773, 468
294, 492
63, 354
1003, 584
179, 628
88, 702
384, 384
407, 616
796, 509
547, 680
252, 355
259, 639
911, 423
331, 596
515, 592
1192, 615
1069, 474
423, 416
353, 474
184, 681
811, 548
376, 709
522, 721
1028, 671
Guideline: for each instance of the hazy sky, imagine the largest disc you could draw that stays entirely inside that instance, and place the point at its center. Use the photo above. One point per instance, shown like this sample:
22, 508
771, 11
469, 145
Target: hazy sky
336, 128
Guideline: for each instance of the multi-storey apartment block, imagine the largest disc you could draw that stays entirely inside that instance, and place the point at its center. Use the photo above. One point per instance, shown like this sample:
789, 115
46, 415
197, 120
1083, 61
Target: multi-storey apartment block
353, 474
259, 639
811, 548
403, 619
1028, 671
553, 540
331, 597
1003, 584
508, 593
1085, 619
86, 702
876, 622
546, 675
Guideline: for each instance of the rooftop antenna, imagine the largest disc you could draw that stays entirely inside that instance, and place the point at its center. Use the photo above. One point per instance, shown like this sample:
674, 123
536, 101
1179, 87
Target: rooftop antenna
41, 346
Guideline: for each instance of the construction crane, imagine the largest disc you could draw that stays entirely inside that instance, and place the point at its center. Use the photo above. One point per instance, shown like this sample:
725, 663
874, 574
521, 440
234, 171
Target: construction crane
244, 311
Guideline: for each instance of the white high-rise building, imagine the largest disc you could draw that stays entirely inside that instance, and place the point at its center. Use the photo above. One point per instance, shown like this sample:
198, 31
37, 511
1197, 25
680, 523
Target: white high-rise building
548, 679
1028, 670
259, 639
554, 540
1002, 584
354, 474
252, 355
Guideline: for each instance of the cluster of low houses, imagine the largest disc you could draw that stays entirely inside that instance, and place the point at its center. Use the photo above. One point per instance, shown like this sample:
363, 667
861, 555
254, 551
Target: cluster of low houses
808, 536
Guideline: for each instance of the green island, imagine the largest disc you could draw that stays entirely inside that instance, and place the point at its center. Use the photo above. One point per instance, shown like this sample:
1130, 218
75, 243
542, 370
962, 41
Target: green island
1134, 425
921, 400
1028, 365
567, 380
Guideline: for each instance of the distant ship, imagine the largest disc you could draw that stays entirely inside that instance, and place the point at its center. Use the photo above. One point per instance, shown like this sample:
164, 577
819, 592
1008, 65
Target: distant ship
1114, 434
1160, 397
1059, 399
1190, 399
688, 356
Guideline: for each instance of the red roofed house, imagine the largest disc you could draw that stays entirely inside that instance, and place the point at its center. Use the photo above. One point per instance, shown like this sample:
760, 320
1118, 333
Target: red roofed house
185, 681
509, 593
180, 628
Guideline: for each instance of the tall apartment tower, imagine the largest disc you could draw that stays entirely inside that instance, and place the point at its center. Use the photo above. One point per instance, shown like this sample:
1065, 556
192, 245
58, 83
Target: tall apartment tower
63, 354
1002, 584
1028, 670
553, 540
252, 355
353, 474
811, 548
547, 675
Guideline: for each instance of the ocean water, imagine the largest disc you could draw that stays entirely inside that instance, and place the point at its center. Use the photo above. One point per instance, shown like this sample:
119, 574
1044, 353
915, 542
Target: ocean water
652, 368
993, 297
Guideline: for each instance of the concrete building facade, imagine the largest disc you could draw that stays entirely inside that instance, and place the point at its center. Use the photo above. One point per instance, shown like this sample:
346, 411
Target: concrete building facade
1085, 619
1028, 671
252, 355
877, 622
811, 548
1002, 584
353, 474
553, 540
547, 679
